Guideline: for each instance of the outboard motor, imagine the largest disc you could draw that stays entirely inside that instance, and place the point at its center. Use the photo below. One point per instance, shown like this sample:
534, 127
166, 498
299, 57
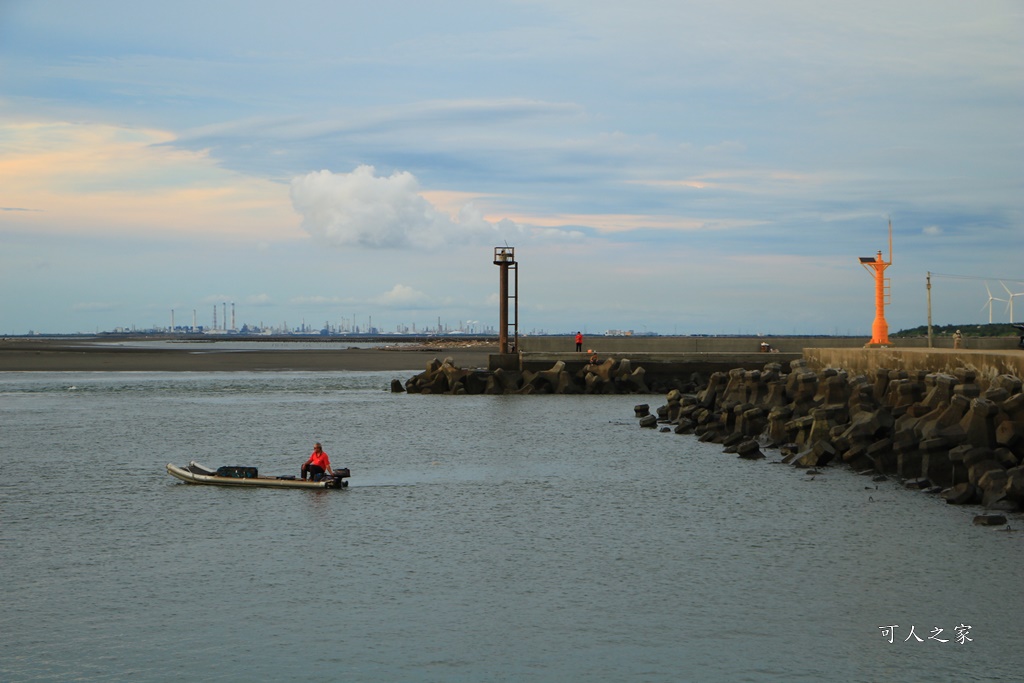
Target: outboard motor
338, 480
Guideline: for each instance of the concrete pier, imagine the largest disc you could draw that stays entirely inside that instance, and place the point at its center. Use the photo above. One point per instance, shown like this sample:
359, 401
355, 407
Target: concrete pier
986, 364
745, 344
680, 357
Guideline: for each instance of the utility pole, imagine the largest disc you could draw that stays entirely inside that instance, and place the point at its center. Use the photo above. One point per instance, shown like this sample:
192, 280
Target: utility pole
928, 286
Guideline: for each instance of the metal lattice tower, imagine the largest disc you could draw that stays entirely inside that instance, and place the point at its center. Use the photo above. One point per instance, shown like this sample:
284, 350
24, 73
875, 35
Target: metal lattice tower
505, 258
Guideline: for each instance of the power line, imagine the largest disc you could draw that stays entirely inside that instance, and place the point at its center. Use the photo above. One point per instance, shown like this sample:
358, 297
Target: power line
977, 277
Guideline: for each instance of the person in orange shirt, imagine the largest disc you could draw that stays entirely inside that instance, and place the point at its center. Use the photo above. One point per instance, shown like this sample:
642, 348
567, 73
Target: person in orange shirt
317, 464
579, 341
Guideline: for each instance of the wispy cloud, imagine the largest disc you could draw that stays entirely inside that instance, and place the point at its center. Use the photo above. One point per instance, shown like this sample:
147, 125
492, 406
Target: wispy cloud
438, 116
259, 300
403, 296
107, 179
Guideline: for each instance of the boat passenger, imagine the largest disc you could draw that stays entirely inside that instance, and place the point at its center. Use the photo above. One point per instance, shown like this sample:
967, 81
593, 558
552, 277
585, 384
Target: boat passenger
317, 464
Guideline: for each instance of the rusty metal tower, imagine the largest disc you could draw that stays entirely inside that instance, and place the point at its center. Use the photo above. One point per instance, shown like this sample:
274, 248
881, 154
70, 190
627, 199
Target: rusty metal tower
883, 294
505, 259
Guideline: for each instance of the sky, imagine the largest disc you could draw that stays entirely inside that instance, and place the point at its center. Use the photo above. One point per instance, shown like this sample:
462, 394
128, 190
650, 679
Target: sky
663, 167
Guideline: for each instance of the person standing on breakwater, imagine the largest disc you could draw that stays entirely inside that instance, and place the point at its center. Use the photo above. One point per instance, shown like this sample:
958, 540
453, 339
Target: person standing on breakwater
317, 464
579, 341
958, 340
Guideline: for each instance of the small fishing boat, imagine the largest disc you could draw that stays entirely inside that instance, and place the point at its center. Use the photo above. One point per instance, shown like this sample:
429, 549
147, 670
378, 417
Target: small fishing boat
194, 473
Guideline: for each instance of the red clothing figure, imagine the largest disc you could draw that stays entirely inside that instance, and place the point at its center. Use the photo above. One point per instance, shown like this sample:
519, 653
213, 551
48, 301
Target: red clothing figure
579, 341
320, 459
317, 464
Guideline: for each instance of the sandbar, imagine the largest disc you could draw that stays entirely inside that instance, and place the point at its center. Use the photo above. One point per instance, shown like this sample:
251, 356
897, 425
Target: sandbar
58, 355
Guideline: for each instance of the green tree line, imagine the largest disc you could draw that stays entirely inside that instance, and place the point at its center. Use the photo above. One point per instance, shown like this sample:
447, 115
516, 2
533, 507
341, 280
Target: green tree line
987, 330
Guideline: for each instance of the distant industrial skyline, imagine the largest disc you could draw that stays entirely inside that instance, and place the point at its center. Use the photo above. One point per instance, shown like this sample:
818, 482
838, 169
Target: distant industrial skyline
995, 310
341, 325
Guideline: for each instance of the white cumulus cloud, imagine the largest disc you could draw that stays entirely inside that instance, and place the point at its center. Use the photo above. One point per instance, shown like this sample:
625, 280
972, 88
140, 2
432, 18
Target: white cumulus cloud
361, 209
364, 210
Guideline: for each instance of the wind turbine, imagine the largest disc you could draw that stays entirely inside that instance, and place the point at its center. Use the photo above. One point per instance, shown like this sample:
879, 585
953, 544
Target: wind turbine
1009, 304
989, 303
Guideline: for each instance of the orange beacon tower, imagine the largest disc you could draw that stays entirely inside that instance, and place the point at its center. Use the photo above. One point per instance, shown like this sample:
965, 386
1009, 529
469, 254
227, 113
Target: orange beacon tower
879, 328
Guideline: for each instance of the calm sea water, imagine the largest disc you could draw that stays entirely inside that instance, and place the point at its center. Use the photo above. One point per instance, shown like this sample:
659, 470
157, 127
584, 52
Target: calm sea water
483, 538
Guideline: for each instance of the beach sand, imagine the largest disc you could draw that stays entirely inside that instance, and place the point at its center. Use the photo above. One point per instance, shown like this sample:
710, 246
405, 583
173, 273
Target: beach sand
57, 355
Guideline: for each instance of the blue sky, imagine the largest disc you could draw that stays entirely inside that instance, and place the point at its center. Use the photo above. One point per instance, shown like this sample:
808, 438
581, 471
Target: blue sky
687, 167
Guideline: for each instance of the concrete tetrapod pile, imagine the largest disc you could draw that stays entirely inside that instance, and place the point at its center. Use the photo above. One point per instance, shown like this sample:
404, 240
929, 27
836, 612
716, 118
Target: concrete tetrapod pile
609, 377
937, 432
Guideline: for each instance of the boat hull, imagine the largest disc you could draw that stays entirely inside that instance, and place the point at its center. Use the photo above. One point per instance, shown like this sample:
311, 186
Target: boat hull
197, 474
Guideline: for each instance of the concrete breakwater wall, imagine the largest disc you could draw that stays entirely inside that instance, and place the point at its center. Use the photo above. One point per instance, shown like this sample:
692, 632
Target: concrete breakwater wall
636, 344
937, 431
